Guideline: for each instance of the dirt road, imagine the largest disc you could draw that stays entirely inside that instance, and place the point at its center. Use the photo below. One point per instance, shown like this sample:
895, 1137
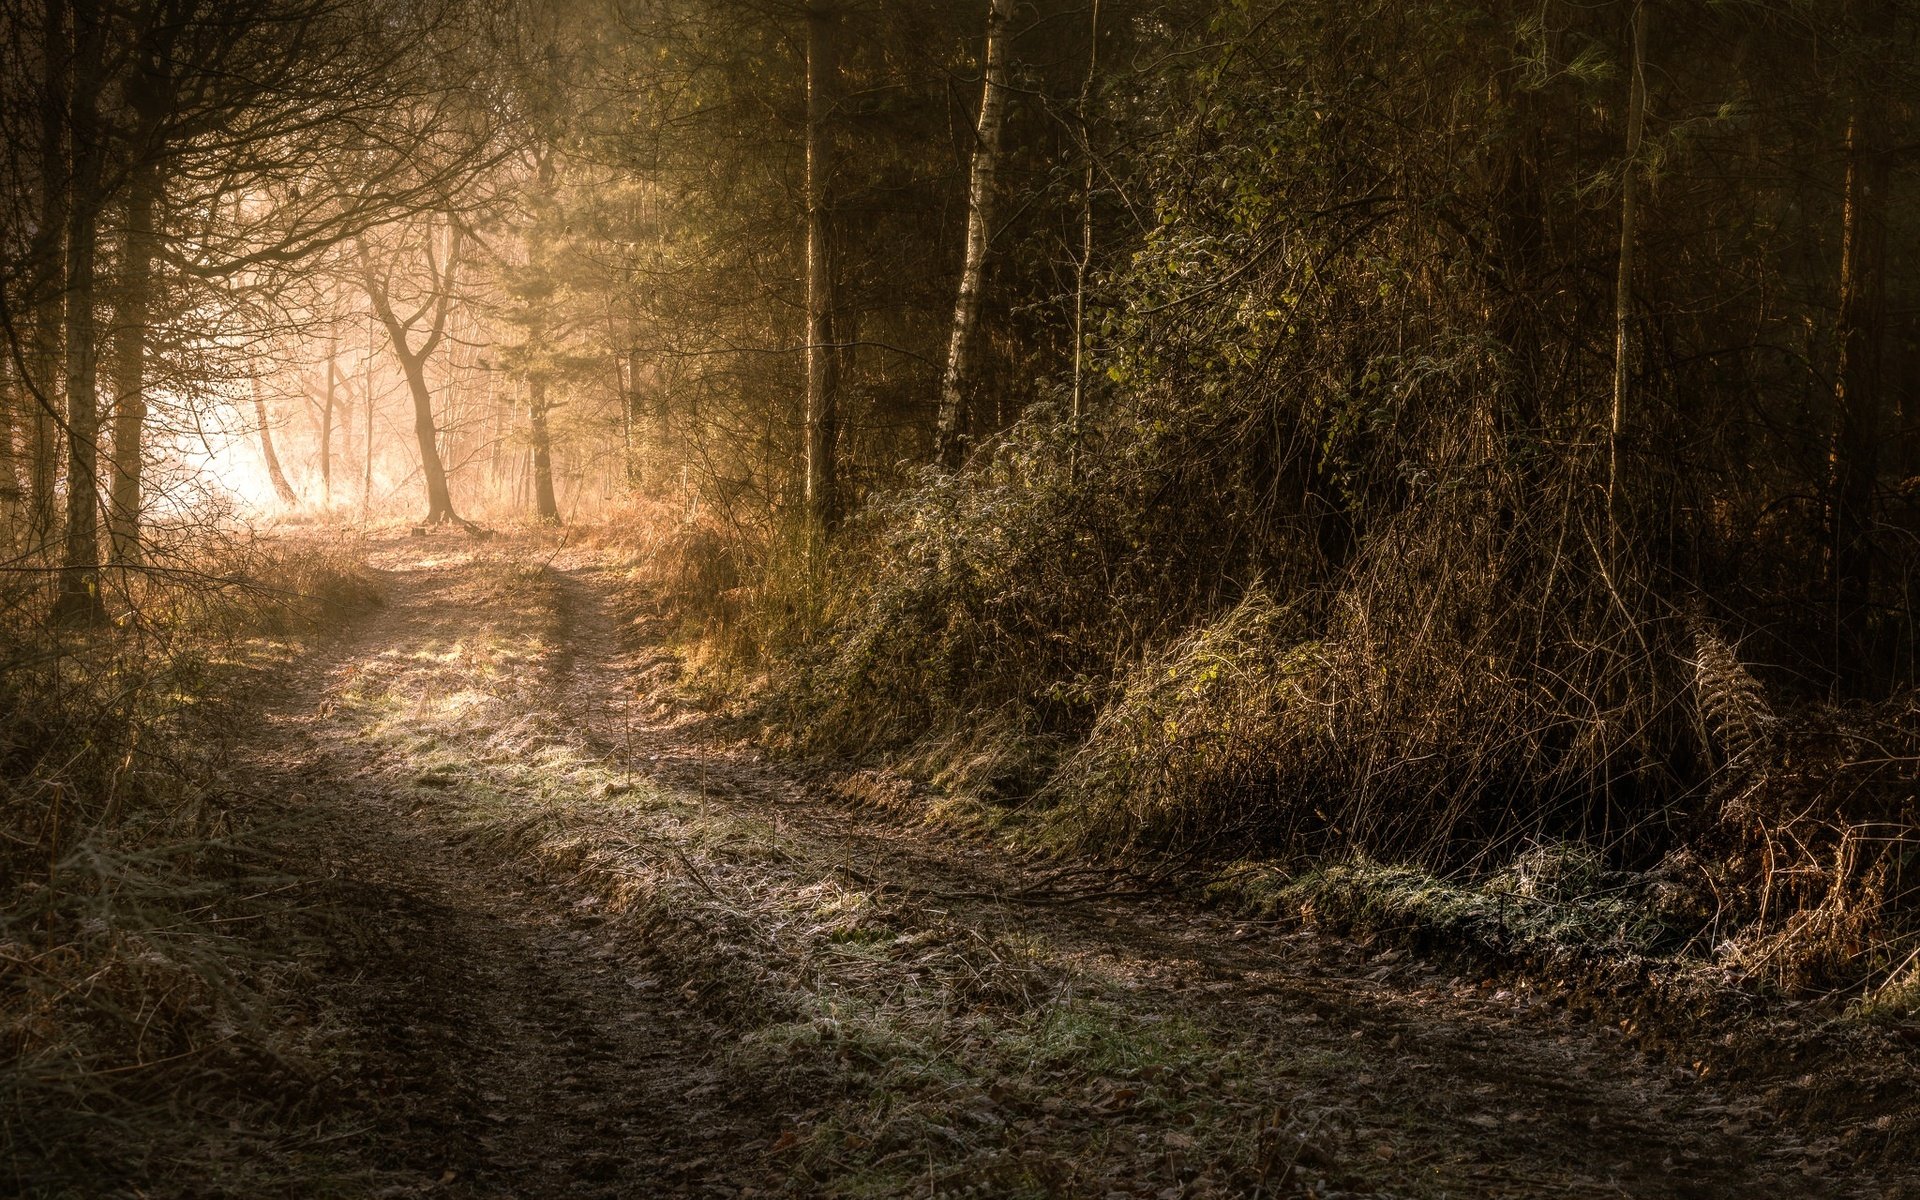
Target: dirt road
575, 946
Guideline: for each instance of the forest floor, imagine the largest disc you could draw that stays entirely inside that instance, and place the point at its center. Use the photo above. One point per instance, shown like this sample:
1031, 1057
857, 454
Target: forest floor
573, 939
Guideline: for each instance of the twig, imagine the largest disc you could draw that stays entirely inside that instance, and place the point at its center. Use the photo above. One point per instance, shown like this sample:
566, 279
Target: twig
697, 877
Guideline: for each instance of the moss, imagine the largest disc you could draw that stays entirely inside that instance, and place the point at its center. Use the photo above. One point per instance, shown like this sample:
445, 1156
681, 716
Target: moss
1895, 1002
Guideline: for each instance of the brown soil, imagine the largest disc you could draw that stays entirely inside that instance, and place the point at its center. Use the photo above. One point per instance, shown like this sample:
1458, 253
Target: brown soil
577, 945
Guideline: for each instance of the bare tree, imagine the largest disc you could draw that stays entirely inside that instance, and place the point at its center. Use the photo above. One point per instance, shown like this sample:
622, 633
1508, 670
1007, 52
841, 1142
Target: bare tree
428, 321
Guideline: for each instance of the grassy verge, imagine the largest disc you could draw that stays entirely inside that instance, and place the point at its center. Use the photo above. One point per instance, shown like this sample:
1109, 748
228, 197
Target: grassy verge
1031, 663
152, 1042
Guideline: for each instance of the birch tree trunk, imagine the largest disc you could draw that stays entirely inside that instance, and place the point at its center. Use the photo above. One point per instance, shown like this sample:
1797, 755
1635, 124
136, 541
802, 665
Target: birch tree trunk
823, 375
427, 436
949, 444
1086, 222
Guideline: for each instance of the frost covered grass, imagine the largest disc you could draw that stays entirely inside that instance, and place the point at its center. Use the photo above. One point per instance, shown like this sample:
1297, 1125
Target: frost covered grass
132, 987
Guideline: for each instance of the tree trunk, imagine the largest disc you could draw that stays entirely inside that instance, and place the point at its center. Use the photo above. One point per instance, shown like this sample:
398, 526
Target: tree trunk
544, 503
823, 376
655, 429
1519, 239
130, 367
11, 491
326, 425
628, 395
49, 257
643, 469
500, 424
1623, 278
1858, 379
949, 440
79, 601
280, 486
432, 466
366, 482
1086, 223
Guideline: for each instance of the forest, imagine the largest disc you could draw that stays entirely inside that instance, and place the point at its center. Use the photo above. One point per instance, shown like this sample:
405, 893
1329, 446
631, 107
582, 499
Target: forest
959, 598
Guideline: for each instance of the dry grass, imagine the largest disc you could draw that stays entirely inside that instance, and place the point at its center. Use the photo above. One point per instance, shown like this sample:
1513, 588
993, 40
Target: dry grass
1126, 640
129, 988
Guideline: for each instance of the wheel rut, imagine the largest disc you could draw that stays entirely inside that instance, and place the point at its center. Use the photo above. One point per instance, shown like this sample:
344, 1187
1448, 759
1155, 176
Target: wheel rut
502, 1044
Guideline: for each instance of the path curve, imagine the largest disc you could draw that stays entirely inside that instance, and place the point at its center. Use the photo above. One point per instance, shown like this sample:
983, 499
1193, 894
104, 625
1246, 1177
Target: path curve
578, 947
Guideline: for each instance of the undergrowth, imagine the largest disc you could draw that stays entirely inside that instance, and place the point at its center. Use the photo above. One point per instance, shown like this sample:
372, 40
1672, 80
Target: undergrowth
1343, 557
130, 995
1124, 636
